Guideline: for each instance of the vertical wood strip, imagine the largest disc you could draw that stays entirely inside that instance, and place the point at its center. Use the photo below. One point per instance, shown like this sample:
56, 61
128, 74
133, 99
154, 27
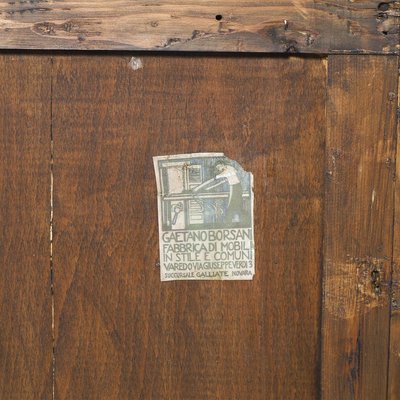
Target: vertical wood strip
394, 347
25, 297
358, 220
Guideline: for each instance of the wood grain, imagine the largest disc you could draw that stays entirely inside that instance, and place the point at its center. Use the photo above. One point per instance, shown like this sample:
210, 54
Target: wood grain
25, 295
120, 332
358, 219
394, 346
280, 26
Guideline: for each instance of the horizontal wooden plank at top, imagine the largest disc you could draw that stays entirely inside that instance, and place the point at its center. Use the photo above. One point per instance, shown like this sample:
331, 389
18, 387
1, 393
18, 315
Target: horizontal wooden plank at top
304, 26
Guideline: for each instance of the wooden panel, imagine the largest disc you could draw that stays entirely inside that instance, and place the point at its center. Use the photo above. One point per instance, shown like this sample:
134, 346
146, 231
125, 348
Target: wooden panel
120, 332
306, 26
394, 349
25, 295
360, 153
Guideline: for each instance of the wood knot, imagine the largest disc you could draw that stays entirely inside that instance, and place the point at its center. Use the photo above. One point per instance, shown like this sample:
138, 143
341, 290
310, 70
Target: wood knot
388, 18
376, 281
45, 28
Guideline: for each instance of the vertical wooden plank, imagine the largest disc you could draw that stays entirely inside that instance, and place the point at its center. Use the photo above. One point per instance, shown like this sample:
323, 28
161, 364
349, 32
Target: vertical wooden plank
25, 296
120, 332
394, 346
360, 154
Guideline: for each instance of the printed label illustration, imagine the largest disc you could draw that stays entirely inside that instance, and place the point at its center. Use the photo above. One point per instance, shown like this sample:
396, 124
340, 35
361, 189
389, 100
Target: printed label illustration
205, 216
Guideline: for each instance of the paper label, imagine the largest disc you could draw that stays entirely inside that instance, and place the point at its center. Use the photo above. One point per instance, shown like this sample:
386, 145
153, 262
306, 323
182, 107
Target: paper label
205, 216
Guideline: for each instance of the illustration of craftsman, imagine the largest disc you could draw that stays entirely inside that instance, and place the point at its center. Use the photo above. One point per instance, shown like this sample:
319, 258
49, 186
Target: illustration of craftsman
227, 173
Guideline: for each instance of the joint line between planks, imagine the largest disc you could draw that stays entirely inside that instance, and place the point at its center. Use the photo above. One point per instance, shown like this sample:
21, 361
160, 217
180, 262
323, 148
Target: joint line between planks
392, 256
322, 261
51, 228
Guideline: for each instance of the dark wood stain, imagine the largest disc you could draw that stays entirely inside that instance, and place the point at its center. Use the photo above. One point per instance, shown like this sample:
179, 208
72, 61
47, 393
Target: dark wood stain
320, 139
25, 288
120, 332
